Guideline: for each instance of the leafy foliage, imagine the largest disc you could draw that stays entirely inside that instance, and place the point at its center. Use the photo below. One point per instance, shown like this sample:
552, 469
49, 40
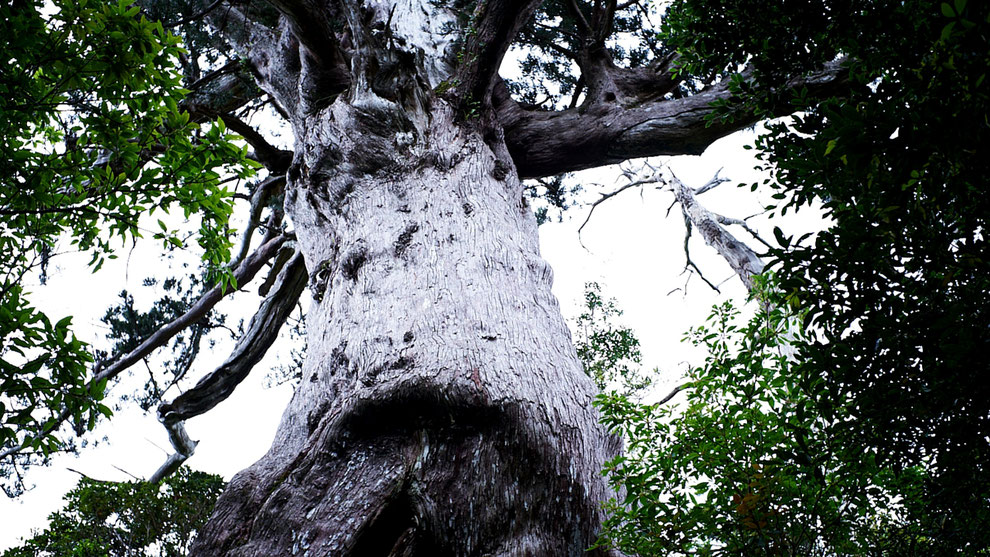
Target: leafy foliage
551, 197
748, 463
896, 289
92, 139
609, 351
111, 519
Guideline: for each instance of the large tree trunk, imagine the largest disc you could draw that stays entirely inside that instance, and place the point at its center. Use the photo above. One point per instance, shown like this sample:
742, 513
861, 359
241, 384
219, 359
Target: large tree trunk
442, 409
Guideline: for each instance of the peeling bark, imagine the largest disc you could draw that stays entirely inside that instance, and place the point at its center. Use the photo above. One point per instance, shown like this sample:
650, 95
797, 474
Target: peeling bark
745, 263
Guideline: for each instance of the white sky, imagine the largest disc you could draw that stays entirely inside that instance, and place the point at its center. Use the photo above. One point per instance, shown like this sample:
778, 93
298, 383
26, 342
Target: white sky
632, 250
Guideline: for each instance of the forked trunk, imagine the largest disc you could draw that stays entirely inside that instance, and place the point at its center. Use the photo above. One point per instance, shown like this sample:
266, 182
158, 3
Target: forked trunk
442, 409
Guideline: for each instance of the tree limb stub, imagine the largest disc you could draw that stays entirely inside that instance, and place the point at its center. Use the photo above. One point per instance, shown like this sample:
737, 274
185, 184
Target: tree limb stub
217, 386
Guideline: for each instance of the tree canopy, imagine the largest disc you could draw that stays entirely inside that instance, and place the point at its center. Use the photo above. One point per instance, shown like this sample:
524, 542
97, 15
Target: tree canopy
123, 519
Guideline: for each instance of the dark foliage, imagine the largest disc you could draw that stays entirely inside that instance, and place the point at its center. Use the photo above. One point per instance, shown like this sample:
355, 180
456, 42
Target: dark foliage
104, 519
896, 289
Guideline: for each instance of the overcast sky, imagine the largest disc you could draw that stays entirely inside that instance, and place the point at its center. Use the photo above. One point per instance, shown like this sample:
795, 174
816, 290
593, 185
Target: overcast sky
630, 247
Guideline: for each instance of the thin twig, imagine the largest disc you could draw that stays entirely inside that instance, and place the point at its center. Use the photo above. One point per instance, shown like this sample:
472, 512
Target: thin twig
673, 393
607, 196
712, 184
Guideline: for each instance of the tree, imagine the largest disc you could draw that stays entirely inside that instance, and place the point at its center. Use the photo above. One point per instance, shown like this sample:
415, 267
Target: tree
893, 292
747, 464
127, 518
442, 407
896, 287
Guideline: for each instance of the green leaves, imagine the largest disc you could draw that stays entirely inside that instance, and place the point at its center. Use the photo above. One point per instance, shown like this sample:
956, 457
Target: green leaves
42, 371
93, 138
610, 352
103, 519
895, 289
747, 464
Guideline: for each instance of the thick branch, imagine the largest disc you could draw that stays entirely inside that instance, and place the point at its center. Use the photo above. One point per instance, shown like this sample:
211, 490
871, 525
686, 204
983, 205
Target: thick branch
221, 92
310, 22
324, 69
262, 332
497, 22
550, 143
220, 384
273, 54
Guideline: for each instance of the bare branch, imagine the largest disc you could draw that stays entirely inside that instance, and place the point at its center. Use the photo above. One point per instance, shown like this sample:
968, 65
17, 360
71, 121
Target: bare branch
276, 160
243, 274
220, 384
743, 260
712, 184
672, 394
689, 264
259, 198
728, 221
606, 196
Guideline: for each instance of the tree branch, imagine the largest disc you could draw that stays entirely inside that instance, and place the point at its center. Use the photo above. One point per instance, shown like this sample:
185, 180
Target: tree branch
743, 260
550, 143
220, 384
220, 92
244, 273
275, 160
633, 182
262, 193
273, 54
497, 22
311, 23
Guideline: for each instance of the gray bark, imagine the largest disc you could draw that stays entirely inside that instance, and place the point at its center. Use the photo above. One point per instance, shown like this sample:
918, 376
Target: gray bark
442, 409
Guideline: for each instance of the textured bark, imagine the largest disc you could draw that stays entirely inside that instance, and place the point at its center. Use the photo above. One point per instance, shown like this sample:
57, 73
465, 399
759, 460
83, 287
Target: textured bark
442, 410
745, 263
631, 119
